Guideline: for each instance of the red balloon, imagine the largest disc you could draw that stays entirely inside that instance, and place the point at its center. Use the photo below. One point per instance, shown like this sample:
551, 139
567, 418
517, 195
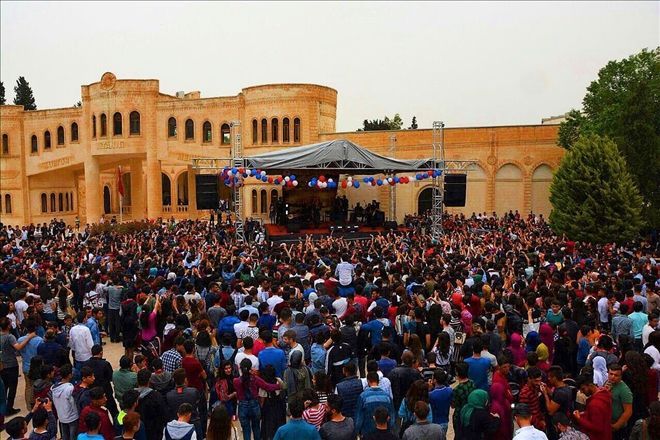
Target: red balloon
392, 182
429, 172
289, 183
241, 170
321, 178
270, 180
343, 184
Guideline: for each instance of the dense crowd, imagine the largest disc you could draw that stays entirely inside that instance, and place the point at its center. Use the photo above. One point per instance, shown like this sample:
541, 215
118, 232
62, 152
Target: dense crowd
499, 330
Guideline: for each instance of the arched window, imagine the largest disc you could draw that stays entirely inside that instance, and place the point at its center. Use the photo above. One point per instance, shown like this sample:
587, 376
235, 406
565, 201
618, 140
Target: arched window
68, 206
104, 125
264, 201
116, 124
60, 135
207, 132
71, 198
264, 131
171, 127
226, 134
190, 129
44, 202
5, 144
34, 144
254, 201
52, 202
285, 130
47, 140
134, 123
61, 202
94, 127
296, 130
74, 132
7, 203
275, 130
255, 136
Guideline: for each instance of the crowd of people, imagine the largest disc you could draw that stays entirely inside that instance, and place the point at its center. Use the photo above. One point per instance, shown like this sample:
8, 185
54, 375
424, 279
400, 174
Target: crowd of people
499, 330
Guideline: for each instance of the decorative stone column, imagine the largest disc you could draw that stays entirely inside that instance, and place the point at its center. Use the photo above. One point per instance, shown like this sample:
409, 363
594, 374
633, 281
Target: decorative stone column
93, 200
137, 190
192, 193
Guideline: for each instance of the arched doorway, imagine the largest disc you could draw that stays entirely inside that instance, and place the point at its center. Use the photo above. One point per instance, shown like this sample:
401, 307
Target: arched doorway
106, 200
166, 191
509, 189
182, 188
425, 201
541, 180
477, 187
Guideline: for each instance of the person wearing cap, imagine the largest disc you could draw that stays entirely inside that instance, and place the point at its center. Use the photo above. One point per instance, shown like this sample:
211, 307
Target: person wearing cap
523, 418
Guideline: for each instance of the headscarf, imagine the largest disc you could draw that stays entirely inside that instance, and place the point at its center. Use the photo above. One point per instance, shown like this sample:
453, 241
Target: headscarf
476, 400
532, 341
517, 350
600, 371
295, 373
542, 352
498, 394
547, 334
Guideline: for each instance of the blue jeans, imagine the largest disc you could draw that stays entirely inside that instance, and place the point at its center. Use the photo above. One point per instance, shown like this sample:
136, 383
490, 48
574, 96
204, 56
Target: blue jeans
249, 414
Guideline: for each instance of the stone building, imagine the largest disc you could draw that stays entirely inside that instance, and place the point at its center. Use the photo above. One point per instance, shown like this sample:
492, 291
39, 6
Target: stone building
63, 162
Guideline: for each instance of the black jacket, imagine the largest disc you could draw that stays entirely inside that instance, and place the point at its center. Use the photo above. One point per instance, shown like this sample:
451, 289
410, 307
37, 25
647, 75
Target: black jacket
153, 412
402, 378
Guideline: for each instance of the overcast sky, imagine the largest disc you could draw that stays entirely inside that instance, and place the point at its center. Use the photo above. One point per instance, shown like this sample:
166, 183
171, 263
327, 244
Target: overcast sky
468, 64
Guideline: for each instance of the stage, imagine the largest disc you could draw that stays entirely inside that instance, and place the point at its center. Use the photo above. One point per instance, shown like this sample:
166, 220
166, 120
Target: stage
279, 233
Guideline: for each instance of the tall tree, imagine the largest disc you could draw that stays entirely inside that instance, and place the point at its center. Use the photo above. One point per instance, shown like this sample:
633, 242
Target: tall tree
2, 93
24, 94
383, 124
413, 124
594, 197
624, 104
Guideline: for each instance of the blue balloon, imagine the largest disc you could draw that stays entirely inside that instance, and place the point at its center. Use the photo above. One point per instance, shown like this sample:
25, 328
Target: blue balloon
276, 181
234, 170
264, 178
365, 179
227, 182
292, 177
356, 184
379, 182
396, 179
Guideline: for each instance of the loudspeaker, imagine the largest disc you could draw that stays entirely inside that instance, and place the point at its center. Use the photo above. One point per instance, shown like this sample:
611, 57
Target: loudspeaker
455, 189
206, 189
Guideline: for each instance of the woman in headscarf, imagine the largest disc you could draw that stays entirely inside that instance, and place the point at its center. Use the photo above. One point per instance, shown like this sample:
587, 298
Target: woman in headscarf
547, 336
517, 350
501, 406
600, 371
543, 354
297, 377
476, 422
532, 341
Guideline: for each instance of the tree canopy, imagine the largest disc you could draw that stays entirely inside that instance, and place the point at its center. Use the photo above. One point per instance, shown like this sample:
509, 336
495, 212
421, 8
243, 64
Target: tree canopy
624, 105
413, 124
594, 197
2, 93
383, 124
24, 94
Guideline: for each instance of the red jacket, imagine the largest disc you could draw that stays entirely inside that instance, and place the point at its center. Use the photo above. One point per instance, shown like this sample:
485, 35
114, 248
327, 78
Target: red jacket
596, 420
105, 429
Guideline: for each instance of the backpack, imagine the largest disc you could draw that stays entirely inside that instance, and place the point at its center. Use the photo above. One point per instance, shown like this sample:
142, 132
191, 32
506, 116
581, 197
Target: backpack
207, 363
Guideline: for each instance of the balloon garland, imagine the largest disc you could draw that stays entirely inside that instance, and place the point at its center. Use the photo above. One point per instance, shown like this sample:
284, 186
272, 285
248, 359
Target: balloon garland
234, 176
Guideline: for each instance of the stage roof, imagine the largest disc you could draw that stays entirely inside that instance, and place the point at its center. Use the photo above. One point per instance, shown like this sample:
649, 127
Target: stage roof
334, 155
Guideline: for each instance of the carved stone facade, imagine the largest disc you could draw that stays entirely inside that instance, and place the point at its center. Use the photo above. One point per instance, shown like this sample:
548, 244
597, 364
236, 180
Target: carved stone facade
63, 162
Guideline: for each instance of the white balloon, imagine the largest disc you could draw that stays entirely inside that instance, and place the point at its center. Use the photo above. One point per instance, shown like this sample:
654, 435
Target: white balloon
287, 178
295, 183
263, 173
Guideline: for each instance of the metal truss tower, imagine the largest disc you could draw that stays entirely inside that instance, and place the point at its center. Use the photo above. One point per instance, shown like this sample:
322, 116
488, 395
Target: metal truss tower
237, 161
438, 181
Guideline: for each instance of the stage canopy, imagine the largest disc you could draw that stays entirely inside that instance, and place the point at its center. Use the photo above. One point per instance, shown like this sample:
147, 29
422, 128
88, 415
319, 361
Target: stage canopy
340, 155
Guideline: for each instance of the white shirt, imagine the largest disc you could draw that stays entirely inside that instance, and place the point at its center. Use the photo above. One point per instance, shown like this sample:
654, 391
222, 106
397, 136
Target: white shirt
655, 354
20, 306
240, 356
80, 341
299, 348
529, 433
239, 327
272, 302
340, 305
344, 272
646, 331
190, 296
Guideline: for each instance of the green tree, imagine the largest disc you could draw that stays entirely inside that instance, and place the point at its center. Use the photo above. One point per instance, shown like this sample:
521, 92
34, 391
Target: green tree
24, 94
623, 104
383, 124
594, 197
413, 124
2, 93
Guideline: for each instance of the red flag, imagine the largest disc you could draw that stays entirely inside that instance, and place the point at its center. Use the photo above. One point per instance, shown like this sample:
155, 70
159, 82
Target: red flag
120, 182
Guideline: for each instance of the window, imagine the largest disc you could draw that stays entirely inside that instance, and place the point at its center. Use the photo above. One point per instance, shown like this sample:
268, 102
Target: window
190, 129
171, 127
254, 201
274, 129
94, 127
34, 145
116, 124
52, 202
5, 144
44, 202
264, 131
264, 201
60, 135
74, 132
296, 130
134, 123
285, 130
68, 206
104, 125
7, 203
255, 136
226, 134
71, 198
206, 132
61, 200
273, 197
47, 140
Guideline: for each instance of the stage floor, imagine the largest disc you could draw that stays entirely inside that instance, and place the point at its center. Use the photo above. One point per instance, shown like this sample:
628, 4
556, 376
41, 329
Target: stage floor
281, 234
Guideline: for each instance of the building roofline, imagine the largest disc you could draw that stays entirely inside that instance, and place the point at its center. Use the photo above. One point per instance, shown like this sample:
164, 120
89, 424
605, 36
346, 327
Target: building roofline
288, 84
446, 128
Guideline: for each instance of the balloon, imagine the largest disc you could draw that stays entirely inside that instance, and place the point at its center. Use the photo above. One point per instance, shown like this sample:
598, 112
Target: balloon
379, 182
248, 172
343, 184
396, 180
356, 184
295, 183
330, 180
349, 178
276, 181
264, 179
322, 178
287, 178
293, 177
234, 170
270, 180
263, 173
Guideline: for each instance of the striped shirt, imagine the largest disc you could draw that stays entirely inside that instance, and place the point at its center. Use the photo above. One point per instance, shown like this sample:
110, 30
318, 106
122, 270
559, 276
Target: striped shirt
315, 415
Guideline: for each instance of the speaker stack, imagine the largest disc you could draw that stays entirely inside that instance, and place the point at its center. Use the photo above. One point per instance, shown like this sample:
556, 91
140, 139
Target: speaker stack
455, 185
206, 190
